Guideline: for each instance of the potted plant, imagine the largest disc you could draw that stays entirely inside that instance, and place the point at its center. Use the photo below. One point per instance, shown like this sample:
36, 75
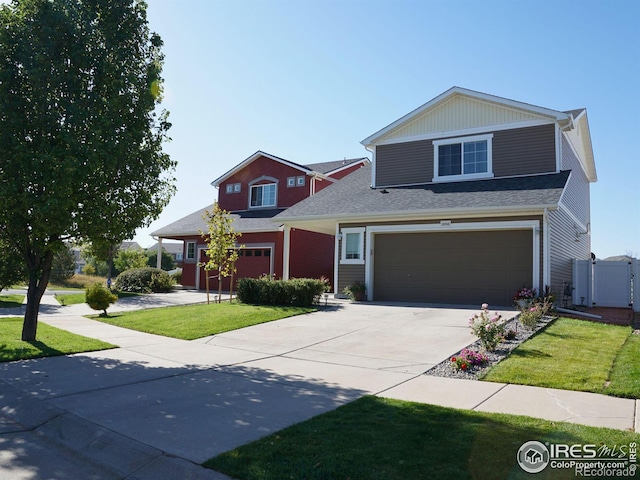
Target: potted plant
524, 297
356, 291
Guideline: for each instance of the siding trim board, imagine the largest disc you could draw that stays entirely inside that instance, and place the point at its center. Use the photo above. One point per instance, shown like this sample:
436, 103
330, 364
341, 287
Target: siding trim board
466, 132
372, 230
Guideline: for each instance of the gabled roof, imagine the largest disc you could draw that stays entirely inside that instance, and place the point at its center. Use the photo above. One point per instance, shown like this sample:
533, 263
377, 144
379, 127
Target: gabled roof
251, 159
325, 168
525, 111
244, 222
353, 199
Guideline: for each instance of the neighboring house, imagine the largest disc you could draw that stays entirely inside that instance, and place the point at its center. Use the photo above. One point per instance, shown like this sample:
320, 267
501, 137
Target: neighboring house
173, 249
468, 198
254, 191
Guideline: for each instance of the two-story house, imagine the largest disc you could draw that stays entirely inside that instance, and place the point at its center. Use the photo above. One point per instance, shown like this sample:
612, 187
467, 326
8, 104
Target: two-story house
468, 198
255, 191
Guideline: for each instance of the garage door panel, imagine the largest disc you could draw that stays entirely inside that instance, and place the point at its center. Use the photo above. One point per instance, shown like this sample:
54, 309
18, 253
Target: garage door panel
452, 267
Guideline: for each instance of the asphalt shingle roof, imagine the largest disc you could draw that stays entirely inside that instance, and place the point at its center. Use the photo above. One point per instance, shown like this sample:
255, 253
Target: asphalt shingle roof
353, 196
250, 220
326, 167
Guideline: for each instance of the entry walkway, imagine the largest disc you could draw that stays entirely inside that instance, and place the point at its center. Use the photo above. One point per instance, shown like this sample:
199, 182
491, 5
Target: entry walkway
157, 407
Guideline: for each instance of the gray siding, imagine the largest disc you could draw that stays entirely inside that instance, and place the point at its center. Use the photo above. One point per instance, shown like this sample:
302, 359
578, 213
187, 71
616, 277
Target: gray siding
404, 163
520, 151
524, 151
564, 245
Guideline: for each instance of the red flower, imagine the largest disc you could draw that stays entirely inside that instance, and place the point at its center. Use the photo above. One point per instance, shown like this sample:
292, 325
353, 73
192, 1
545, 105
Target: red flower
463, 366
453, 359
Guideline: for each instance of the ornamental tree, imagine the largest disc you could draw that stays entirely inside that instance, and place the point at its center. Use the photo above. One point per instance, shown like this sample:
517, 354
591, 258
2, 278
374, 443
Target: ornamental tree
222, 248
81, 139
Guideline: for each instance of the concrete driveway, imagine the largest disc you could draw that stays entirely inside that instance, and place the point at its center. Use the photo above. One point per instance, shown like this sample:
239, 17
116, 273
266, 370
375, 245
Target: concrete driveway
158, 403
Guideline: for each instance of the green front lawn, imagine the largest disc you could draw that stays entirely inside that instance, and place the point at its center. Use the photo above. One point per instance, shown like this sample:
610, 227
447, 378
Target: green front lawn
578, 355
70, 298
377, 438
196, 321
11, 301
50, 341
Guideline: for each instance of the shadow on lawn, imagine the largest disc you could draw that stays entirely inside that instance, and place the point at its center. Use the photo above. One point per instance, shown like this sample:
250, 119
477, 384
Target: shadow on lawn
381, 438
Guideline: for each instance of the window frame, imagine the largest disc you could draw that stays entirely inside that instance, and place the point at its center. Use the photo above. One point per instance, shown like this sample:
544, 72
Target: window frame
190, 255
343, 247
291, 182
300, 181
462, 140
262, 185
237, 188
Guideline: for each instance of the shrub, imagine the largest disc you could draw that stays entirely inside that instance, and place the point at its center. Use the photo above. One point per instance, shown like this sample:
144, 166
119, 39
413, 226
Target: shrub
144, 280
356, 291
177, 277
299, 292
468, 358
99, 297
529, 317
488, 328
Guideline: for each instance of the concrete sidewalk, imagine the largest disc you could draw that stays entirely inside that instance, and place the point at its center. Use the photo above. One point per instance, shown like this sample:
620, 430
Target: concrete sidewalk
158, 407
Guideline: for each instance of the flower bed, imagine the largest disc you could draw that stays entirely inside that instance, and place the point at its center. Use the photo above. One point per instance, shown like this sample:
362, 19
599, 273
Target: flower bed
449, 368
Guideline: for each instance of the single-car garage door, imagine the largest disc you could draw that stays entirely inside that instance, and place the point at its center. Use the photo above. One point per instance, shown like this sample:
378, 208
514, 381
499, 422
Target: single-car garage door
464, 268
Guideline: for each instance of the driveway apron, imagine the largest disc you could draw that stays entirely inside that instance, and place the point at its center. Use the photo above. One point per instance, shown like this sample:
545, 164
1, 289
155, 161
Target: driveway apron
193, 400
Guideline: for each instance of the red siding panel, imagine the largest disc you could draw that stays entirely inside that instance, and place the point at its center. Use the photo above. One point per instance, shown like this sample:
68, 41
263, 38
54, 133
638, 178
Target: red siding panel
311, 255
286, 196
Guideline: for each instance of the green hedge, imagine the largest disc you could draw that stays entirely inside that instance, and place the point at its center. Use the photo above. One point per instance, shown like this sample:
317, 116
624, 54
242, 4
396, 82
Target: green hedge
144, 280
299, 292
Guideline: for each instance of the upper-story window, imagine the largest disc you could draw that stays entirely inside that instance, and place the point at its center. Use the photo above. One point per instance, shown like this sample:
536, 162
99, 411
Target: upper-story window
233, 188
462, 158
263, 195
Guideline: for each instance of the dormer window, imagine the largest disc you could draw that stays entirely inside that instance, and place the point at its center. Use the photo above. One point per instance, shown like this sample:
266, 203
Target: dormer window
263, 195
462, 158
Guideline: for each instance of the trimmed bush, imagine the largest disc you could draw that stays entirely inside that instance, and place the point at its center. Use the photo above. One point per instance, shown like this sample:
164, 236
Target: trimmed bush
144, 280
298, 292
99, 297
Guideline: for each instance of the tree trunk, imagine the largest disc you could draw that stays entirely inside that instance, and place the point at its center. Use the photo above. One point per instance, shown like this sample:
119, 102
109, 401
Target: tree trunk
39, 272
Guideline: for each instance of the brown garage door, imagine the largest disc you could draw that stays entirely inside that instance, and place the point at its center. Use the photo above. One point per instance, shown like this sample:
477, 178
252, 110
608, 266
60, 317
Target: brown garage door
464, 268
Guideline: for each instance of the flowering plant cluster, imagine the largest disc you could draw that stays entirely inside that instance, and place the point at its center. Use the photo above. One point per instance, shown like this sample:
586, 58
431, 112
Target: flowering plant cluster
529, 316
525, 294
489, 328
468, 358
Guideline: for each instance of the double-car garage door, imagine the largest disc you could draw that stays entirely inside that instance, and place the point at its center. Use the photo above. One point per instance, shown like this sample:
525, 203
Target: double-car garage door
452, 267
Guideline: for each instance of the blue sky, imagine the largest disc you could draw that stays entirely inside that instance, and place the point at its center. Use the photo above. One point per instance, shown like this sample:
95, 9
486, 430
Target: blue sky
308, 80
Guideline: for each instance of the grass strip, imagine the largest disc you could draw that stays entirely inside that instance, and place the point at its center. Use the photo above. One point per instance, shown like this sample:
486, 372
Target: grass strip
196, 321
376, 438
570, 354
50, 342
11, 301
624, 380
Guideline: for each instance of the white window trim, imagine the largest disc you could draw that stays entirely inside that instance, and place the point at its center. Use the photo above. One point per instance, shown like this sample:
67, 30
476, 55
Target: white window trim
291, 181
237, 188
229, 187
275, 197
300, 181
343, 250
189, 257
462, 176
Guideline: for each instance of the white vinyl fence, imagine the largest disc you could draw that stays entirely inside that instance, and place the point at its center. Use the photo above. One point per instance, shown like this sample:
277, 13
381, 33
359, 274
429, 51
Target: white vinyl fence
606, 283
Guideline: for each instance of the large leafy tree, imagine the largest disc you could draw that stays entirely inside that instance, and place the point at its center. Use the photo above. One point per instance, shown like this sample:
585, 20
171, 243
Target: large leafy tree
81, 132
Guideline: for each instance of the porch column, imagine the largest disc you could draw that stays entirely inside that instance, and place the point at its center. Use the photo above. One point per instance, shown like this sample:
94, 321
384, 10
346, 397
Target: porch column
159, 257
285, 252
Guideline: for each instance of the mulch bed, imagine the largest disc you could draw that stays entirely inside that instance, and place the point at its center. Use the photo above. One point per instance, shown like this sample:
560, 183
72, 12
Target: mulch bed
504, 349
